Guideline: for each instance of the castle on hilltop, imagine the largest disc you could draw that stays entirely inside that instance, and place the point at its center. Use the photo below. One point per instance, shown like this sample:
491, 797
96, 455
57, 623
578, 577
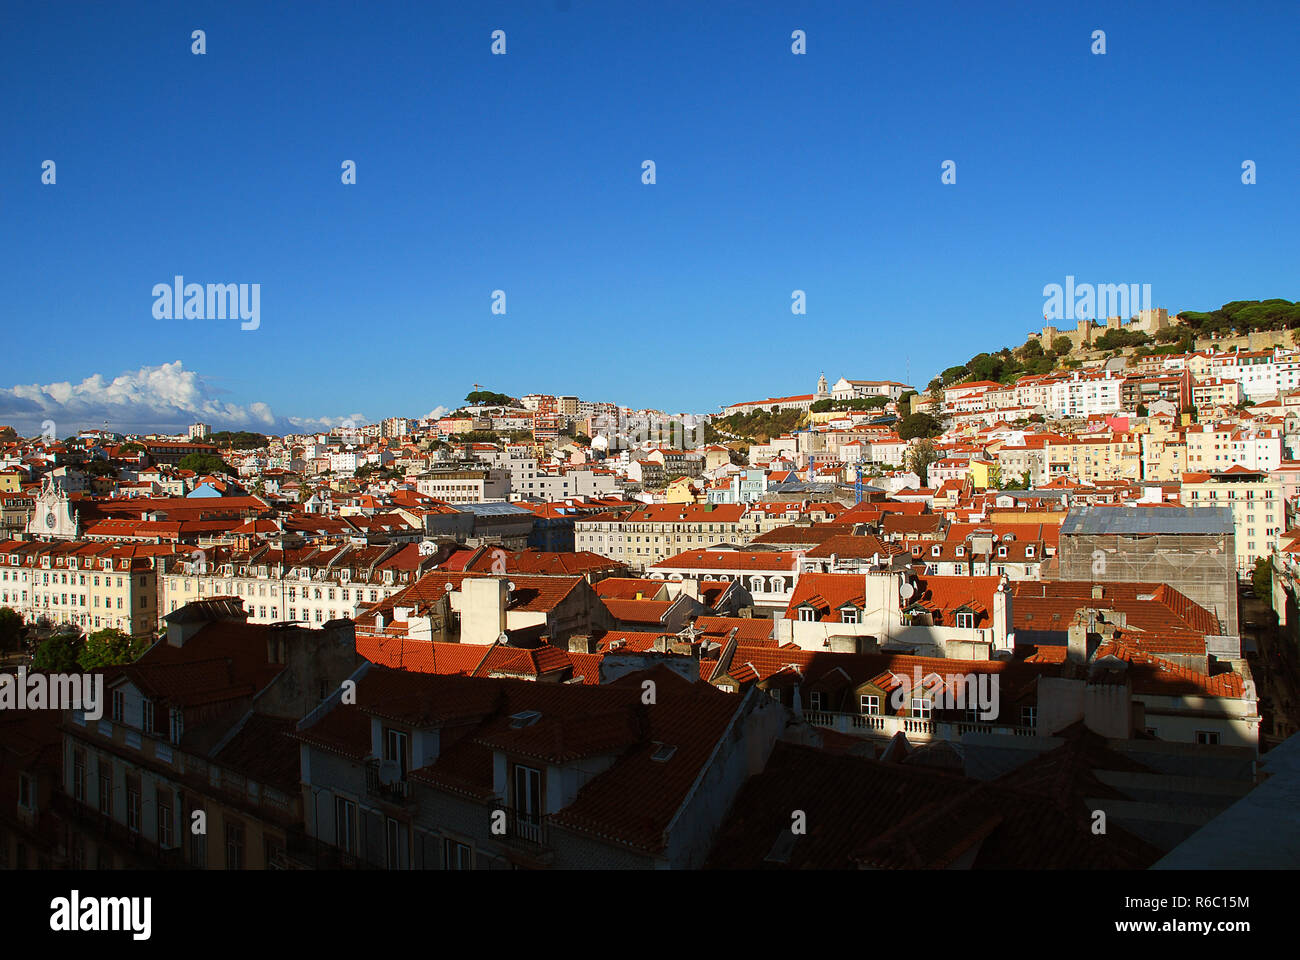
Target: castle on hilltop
1086, 331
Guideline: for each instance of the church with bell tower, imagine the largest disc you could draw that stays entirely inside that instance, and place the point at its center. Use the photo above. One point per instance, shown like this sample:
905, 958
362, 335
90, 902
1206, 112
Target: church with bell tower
54, 517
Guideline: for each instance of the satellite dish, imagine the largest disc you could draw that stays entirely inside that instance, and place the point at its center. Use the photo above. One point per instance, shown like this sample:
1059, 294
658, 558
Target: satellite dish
448, 587
906, 590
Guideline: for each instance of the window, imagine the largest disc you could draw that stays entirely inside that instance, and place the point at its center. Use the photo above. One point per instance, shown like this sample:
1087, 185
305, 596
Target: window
869, 704
966, 620
147, 724
807, 614
164, 804
921, 708
394, 837
345, 824
119, 705
1209, 737
1029, 716
395, 748
528, 798
133, 804
198, 847
234, 845
79, 775
815, 700
105, 786
178, 725
26, 795
456, 856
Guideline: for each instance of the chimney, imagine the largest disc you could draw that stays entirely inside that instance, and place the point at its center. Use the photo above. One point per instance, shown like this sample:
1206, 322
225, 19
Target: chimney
1077, 642
1002, 616
581, 644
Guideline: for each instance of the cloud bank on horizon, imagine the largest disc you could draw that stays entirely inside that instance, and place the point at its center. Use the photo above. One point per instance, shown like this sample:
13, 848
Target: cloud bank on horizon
160, 399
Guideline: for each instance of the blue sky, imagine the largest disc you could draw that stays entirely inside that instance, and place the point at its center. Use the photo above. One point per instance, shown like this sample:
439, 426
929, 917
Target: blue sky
522, 172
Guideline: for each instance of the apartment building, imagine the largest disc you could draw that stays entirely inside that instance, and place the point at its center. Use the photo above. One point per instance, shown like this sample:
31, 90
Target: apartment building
464, 485
1212, 392
769, 576
1140, 392
1218, 446
1090, 459
1086, 394
651, 533
963, 617
92, 586
1027, 459
511, 774
1255, 499
171, 746
1164, 451
312, 584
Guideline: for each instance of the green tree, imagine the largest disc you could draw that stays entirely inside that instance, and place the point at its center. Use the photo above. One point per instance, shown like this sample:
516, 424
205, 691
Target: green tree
202, 463
1012, 482
1062, 345
238, 440
918, 458
1118, 338
919, 425
486, 398
12, 630
110, 648
58, 654
1262, 579
99, 468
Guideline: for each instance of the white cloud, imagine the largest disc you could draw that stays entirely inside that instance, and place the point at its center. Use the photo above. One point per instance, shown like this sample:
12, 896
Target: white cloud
437, 413
164, 399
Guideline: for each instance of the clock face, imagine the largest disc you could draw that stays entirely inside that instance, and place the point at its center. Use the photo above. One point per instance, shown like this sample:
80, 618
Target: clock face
50, 521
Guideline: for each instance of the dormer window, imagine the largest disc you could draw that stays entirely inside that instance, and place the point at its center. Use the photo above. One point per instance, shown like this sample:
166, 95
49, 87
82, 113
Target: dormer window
965, 620
807, 614
1002, 551
961, 551
396, 749
936, 550
1029, 551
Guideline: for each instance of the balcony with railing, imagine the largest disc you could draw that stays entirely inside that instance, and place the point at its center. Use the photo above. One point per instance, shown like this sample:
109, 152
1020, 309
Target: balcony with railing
395, 790
884, 726
528, 834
